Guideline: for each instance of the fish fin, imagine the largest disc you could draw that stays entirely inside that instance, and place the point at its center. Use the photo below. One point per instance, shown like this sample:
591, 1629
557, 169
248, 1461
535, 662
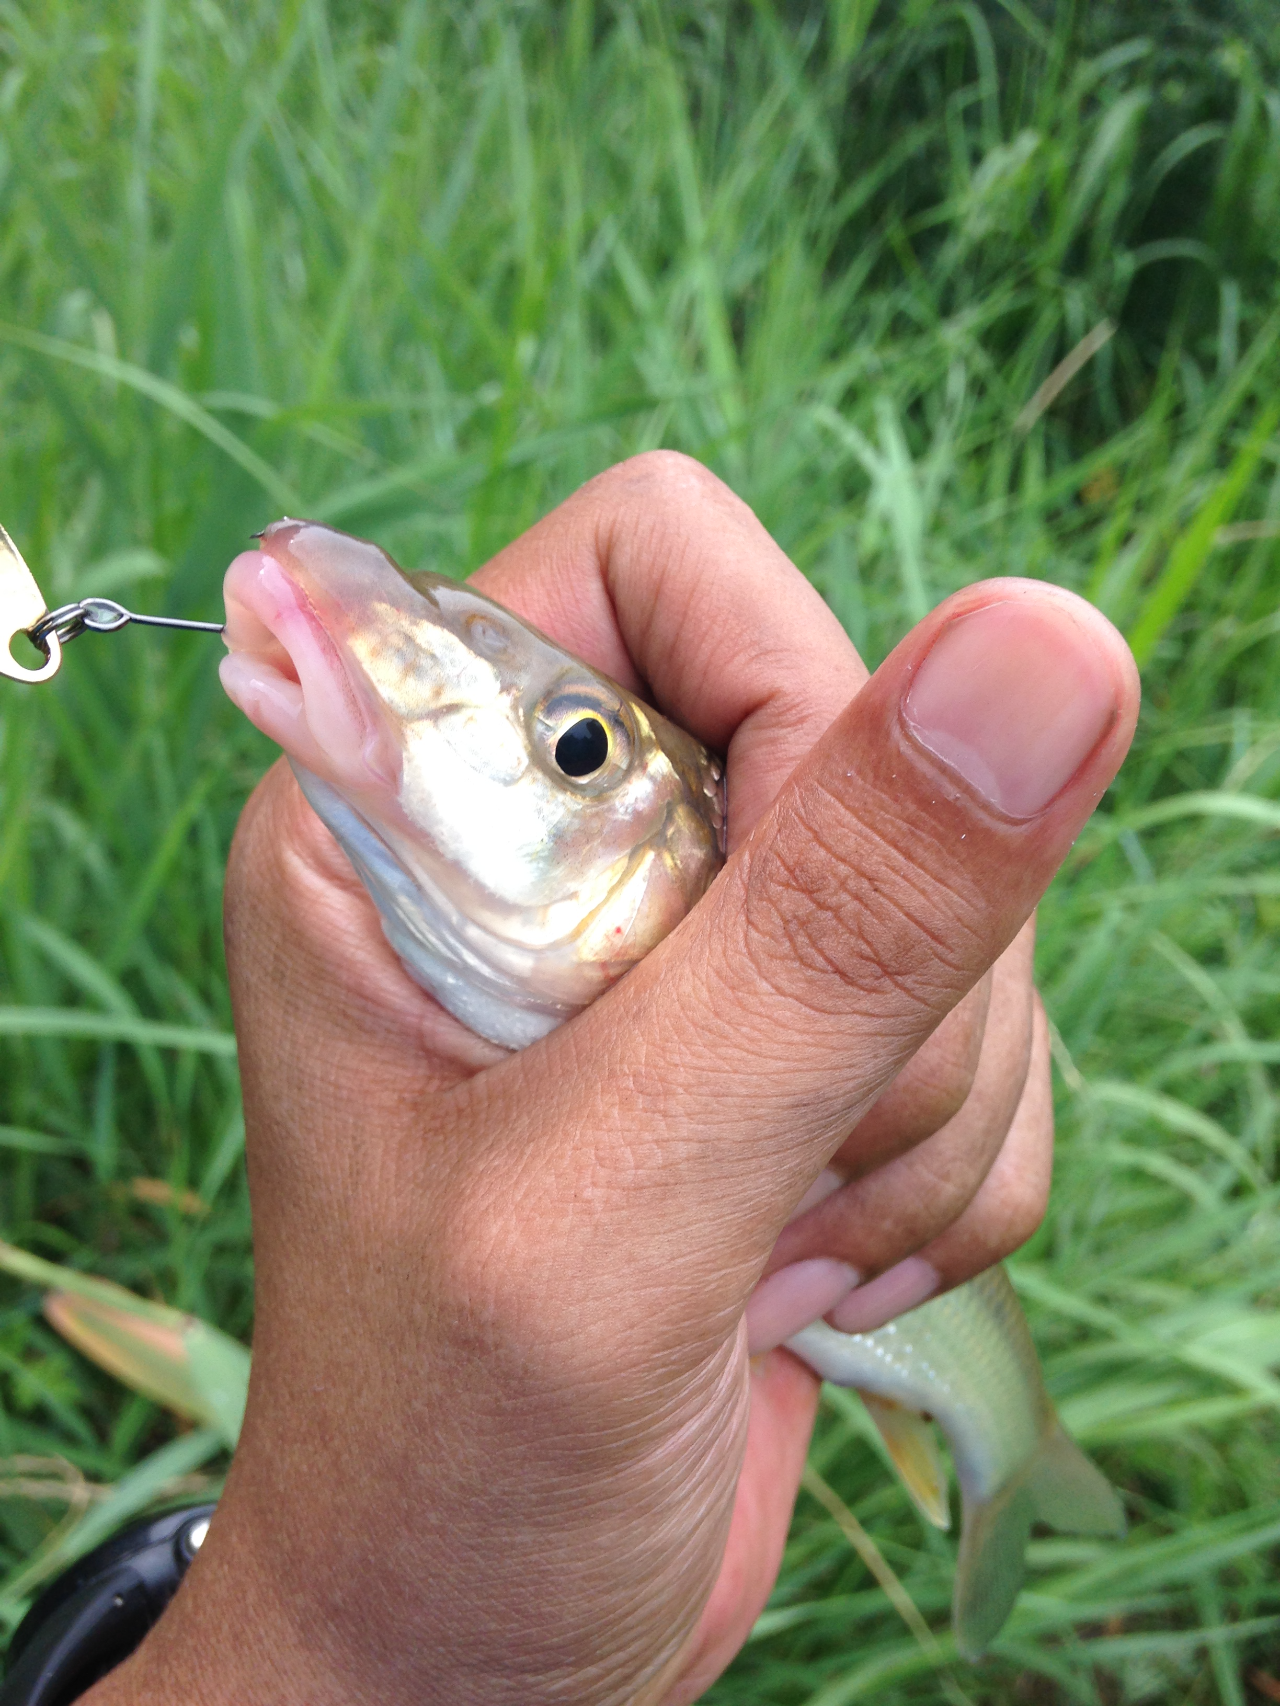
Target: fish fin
993, 1541
1059, 1487
912, 1444
1069, 1492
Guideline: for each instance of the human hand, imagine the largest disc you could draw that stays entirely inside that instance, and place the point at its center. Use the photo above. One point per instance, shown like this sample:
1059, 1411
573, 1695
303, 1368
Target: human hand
503, 1440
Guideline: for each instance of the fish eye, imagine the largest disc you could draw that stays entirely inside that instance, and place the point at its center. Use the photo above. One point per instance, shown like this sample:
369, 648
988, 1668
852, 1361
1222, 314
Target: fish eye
583, 747
585, 733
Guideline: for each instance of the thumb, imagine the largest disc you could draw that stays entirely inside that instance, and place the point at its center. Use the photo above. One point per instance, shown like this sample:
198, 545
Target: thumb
900, 859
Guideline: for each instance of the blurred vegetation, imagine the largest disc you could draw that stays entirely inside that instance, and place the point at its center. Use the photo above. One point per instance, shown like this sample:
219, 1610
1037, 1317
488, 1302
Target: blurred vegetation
945, 289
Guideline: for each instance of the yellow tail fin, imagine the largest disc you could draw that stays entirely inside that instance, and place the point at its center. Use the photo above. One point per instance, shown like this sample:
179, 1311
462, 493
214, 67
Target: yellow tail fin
912, 1444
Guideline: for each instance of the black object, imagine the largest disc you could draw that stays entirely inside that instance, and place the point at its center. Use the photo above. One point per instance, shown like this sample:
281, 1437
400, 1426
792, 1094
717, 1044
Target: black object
583, 748
96, 1613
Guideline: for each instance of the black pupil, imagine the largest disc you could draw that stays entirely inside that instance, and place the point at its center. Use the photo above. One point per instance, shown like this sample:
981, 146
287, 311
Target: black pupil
583, 747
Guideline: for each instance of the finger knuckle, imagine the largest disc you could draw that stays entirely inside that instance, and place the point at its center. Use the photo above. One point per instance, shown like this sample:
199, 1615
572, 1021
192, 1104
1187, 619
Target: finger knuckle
933, 1088
671, 473
1022, 1210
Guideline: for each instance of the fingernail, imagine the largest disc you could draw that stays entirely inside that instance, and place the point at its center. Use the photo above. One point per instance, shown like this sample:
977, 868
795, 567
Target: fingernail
891, 1294
1014, 697
827, 1181
793, 1298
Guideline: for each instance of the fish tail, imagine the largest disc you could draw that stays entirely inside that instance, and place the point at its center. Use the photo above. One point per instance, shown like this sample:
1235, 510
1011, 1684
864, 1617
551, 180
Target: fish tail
1071, 1493
1059, 1487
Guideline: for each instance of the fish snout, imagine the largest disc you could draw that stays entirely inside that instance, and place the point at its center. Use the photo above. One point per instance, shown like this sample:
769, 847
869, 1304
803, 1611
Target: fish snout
294, 678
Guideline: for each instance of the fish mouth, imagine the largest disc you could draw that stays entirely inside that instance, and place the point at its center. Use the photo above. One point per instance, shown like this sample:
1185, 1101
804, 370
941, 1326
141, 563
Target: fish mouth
287, 667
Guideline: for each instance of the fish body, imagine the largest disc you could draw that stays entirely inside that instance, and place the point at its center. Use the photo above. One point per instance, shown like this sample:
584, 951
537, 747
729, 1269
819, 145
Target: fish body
529, 830
966, 1360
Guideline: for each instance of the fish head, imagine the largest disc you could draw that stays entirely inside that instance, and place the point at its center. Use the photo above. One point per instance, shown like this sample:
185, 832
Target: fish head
528, 828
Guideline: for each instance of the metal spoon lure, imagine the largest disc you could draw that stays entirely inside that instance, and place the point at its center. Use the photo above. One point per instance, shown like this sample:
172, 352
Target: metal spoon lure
23, 611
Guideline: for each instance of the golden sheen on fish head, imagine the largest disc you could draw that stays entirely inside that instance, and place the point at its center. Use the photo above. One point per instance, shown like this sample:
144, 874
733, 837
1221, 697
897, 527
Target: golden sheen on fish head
527, 828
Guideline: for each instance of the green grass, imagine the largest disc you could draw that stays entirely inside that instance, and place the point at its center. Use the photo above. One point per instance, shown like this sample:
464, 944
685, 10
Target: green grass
420, 269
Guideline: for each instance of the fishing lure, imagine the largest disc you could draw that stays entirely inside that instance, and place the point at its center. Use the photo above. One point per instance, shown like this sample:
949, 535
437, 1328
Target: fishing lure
23, 611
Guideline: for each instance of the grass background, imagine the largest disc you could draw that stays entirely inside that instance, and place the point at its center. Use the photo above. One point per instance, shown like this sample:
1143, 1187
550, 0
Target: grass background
944, 290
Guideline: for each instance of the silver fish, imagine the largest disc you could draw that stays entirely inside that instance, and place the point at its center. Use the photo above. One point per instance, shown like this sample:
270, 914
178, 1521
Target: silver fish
528, 831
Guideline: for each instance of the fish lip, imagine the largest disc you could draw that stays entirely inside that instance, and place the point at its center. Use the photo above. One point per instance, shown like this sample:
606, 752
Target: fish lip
291, 671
